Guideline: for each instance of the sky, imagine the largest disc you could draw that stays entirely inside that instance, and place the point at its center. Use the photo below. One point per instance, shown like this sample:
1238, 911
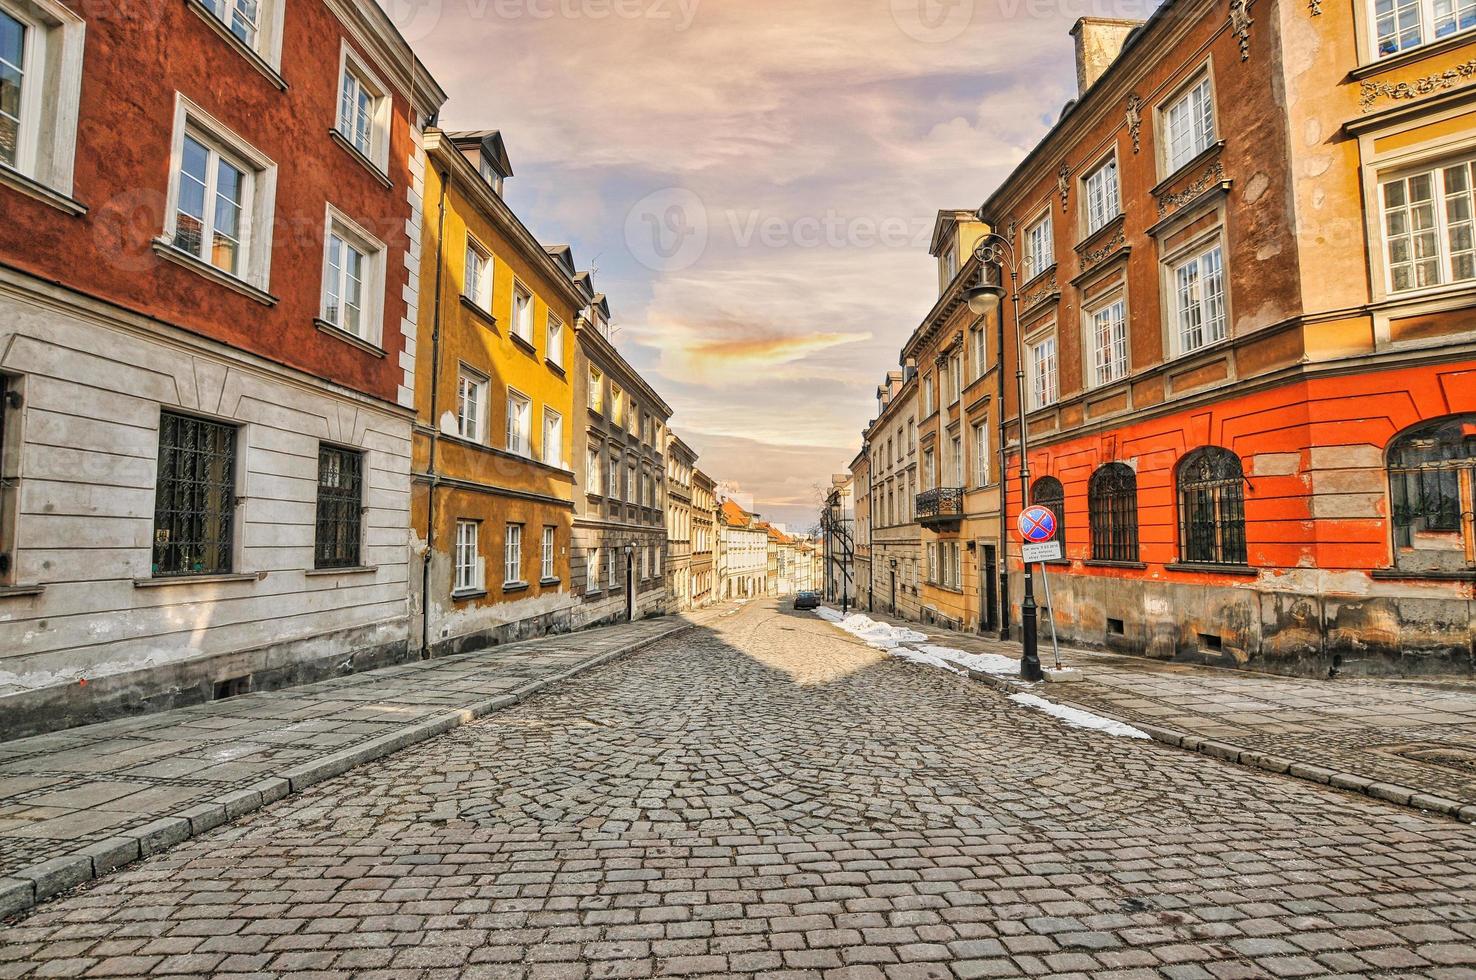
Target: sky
754, 184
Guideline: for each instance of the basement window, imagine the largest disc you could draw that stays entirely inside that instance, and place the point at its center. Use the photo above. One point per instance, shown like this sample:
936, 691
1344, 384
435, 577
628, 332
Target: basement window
1210, 643
1115, 627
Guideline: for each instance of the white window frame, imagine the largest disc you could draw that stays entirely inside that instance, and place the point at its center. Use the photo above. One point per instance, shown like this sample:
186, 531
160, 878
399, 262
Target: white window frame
592, 571
470, 568
522, 315
613, 477
258, 198
479, 277
553, 455
268, 42
1039, 244
51, 91
1426, 27
469, 380
519, 434
596, 395
1199, 141
1109, 363
612, 566
554, 343
548, 569
1441, 200
371, 313
512, 555
1045, 383
1212, 334
593, 456
1101, 194
351, 65
980, 431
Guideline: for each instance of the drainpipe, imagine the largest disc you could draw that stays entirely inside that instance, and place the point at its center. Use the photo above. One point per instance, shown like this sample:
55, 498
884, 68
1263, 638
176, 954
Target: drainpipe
1004, 494
435, 424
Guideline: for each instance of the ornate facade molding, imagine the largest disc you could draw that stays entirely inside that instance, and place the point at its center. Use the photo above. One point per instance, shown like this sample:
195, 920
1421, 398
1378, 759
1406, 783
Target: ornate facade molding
1240, 25
1135, 120
1315, 6
1371, 92
1213, 174
1063, 184
1096, 255
1041, 293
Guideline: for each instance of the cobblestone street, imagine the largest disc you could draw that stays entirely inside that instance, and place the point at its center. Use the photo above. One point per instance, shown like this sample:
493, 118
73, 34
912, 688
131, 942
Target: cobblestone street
765, 797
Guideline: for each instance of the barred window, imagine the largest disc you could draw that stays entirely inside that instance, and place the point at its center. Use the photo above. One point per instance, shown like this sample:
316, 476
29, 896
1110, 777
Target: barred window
1112, 504
1048, 492
1432, 482
340, 507
195, 504
1212, 507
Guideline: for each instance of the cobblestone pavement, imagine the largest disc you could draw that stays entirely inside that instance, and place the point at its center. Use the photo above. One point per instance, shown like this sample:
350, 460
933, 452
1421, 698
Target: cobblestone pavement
68, 790
767, 798
1413, 734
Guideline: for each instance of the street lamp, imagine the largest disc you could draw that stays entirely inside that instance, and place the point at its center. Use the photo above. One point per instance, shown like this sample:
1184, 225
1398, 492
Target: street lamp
996, 255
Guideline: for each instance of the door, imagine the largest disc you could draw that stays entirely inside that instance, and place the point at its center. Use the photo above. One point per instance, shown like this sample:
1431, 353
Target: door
989, 585
630, 587
894, 593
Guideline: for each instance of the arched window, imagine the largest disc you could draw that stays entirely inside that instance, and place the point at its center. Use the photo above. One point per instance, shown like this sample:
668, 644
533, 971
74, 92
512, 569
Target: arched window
1432, 483
1048, 492
1112, 502
1212, 507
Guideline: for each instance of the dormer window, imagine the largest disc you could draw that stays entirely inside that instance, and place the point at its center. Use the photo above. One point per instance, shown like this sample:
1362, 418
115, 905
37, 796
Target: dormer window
491, 176
950, 264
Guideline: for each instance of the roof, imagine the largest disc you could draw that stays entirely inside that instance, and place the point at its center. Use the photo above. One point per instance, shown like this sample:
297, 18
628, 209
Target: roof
491, 144
731, 513
564, 255
947, 220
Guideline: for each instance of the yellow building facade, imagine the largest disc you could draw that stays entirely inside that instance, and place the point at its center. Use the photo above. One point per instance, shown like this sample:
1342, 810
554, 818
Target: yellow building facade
492, 493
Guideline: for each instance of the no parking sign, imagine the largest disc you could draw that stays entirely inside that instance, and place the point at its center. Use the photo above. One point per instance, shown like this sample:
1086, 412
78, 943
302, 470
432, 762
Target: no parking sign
1038, 527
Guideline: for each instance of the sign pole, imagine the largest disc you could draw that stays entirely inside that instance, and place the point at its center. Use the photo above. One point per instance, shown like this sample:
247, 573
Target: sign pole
1045, 580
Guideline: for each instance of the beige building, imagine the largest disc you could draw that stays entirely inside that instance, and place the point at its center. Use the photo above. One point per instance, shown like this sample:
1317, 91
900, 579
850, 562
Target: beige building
681, 463
896, 573
704, 540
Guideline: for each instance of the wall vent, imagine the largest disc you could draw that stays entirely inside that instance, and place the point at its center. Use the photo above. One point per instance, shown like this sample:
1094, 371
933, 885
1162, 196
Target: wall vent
1115, 627
232, 687
1210, 643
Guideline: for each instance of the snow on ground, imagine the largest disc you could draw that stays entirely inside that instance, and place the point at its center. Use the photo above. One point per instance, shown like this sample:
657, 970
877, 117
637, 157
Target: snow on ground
882, 636
1078, 718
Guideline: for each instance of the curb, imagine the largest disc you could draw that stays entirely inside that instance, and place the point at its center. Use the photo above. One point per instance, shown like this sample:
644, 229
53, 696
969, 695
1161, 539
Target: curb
28, 887
1252, 759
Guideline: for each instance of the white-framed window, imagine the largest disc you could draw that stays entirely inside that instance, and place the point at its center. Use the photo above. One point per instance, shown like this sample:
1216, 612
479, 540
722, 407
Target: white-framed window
555, 353
1403, 24
1109, 343
363, 109
596, 395
257, 24
547, 569
471, 405
353, 278
1428, 233
1040, 247
471, 568
955, 378
522, 313
630, 485
592, 459
1189, 124
656, 560
976, 338
617, 405
592, 571
1103, 200
930, 470
611, 567
1043, 390
981, 454
553, 437
512, 555
519, 423
1198, 285
222, 192
927, 388
478, 285
490, 174
958, 467
41, 47
614, 476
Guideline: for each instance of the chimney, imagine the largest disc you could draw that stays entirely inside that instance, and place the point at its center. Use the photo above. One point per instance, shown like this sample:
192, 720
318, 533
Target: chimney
1098, 41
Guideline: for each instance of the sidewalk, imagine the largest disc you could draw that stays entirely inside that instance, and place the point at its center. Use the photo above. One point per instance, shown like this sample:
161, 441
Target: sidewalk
79, 803
1407, 742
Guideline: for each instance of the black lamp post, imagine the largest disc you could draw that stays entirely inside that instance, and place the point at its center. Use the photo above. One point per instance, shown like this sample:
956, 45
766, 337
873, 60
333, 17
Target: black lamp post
995, 255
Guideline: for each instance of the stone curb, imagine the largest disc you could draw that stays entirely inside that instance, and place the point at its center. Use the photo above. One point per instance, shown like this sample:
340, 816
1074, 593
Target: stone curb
28, 887
1388, 792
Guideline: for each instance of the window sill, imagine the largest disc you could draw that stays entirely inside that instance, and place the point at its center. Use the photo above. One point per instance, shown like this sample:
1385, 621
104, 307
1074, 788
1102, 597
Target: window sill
350, 570
1434, 575
1106, 563
166, 581
481, 314
242, 48
468, 594
1188, 167
18, 181
525, 344
1396, 61
550, 581
508, 587
374, 169
18, 591
338, 333
555, 367
1244, 571
165, 250
1100, 233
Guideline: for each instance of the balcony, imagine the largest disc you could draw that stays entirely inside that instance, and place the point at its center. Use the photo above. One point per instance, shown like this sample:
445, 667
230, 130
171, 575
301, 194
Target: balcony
944, 505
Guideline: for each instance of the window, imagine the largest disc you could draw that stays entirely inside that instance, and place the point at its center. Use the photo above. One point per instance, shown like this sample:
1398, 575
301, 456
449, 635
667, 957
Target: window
930, 476
614, 489
340, 507
592, 480
980, 365
911, 435
1109, 343
927, 395
1212, 507
478, 285
1428, 233
1404, 24
522, 313
1112, 505
958, 467
1043, 372
592, 571
631, 488
519, 423
1432, 482
352, 290
1199, 300
553, 437
1048, 492
1039, 248
617, 405
981, 454
512, 555
1189, 123
220, 199
596, 399
195, 500
955, 376
555, 352
470, 567
41, 45
471, 405
363, 110
547, 569
1102, 200
611, 569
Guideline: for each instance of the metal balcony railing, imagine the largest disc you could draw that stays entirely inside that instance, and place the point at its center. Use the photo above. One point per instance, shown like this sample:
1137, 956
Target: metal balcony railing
945, 504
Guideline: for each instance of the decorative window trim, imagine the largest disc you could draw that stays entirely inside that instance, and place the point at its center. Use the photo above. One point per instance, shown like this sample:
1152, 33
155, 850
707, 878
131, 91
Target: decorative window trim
1030, 273
1167, 167
1168, 264
374, 286
1114, 296
1366, 30
1115, 210
1036, 338
268, 63
50, 108
350, 62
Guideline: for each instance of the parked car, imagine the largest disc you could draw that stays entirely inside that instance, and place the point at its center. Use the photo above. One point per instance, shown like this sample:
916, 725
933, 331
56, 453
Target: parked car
807, 600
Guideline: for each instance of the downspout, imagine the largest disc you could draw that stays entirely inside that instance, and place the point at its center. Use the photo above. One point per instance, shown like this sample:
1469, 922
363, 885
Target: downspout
435, 424
1004, 494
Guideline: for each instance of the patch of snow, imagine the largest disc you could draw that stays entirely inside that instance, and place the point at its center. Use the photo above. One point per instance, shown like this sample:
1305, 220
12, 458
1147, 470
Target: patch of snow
926, 659
881, 636
1078, 718
985, 663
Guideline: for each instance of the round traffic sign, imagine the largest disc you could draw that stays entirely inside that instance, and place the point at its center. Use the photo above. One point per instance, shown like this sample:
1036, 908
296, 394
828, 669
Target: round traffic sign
1038, 524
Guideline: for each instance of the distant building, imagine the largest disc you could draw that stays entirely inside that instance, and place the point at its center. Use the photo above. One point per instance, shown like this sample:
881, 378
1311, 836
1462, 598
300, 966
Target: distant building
742, 553
704, 540
680, 464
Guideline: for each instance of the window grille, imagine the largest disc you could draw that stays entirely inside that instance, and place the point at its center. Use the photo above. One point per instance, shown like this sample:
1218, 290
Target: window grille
195, 504
1112, 503
340, 507
1212, 507
1432, 469
1048, 492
